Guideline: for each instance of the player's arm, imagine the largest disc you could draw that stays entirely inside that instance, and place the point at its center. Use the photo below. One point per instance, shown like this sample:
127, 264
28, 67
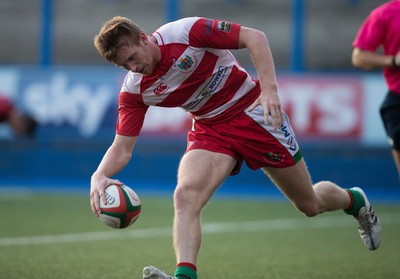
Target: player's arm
257, 44
369, 60
114, 160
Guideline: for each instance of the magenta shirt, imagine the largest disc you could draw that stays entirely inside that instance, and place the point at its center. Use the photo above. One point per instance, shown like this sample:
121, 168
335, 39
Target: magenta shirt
382, 28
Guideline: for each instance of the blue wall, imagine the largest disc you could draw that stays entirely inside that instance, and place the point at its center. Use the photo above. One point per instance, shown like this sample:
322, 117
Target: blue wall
68, 165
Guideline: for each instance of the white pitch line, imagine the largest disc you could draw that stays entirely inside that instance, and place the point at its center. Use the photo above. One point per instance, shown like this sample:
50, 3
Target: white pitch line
209, 228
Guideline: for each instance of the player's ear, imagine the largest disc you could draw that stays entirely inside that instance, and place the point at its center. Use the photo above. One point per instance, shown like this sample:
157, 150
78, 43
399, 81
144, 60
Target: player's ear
143, 38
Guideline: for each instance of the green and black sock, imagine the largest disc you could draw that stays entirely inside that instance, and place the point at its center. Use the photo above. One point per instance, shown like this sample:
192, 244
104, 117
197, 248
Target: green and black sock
356, 202
186, 271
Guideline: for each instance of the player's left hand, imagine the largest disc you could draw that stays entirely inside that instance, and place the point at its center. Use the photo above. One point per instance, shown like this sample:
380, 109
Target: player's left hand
272, 107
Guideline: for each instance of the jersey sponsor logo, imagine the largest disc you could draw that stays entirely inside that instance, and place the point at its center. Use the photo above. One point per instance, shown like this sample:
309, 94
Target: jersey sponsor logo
186, 64
224, 26
214, 83
160, 89
210, 87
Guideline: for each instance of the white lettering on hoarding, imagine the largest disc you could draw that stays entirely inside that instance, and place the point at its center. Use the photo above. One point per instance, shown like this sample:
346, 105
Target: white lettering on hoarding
339, 107
323, 108
297, 101
57, 102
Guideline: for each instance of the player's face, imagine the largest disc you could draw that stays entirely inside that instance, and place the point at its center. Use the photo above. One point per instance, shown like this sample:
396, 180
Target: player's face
138, 58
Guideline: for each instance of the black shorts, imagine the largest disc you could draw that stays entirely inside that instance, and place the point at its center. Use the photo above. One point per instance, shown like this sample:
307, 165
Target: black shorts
390, 113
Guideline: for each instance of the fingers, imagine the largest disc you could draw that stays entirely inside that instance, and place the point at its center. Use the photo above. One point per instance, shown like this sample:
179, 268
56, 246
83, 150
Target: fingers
95, 203
97, 193
271, 109
253, 105
276, 117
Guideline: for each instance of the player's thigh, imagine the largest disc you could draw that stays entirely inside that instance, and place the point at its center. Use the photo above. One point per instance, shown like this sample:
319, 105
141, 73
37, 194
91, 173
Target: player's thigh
294, 182
203, 171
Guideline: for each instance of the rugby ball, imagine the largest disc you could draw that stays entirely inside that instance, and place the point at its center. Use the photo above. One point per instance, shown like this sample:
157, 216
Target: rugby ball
122, 208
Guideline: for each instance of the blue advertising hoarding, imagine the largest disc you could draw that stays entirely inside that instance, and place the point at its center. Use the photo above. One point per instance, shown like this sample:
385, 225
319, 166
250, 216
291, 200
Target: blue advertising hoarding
335, 118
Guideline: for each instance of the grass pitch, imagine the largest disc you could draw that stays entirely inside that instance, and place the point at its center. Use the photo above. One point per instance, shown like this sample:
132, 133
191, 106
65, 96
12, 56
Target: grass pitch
57, 237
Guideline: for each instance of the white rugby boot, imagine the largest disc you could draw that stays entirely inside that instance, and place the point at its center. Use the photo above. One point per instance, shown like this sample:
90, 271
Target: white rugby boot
368, 224
151, 272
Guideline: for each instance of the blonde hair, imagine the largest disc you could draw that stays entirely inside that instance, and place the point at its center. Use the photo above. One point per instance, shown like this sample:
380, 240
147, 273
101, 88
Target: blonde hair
116, 33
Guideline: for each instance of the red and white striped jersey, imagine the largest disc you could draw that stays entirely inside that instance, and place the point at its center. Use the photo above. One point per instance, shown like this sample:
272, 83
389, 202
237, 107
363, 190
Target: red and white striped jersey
196, 73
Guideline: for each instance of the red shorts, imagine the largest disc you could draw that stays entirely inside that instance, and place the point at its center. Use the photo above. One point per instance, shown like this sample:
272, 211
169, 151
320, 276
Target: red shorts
247, 138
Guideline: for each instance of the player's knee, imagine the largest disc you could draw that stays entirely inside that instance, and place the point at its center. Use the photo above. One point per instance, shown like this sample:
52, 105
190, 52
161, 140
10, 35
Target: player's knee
309, 209
185, 199
180, 197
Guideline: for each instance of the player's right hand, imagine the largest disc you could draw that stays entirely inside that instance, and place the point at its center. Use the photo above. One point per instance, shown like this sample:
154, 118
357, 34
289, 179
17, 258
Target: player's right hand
98, 183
